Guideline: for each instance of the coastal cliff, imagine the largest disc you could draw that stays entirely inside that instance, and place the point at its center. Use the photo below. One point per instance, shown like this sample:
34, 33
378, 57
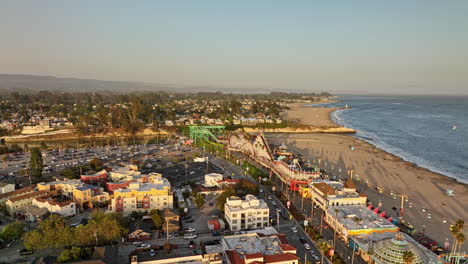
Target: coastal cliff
310, 129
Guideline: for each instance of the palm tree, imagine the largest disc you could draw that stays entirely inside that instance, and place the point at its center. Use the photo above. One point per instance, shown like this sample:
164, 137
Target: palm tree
460, 239
457, 232
408, 257
323, 247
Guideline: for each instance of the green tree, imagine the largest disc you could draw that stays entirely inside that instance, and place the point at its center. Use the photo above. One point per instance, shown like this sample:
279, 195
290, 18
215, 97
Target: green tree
199, 200
12, 231
96, 164
156, 217
72, 254
36, 163
53, 232
5, 161
43, 146
186, 194
228, 192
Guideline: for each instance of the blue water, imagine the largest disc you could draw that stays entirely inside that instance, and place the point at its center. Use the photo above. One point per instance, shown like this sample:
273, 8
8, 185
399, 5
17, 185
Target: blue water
416, 128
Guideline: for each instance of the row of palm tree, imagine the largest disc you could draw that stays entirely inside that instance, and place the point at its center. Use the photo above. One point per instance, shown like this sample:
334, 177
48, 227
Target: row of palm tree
458, 236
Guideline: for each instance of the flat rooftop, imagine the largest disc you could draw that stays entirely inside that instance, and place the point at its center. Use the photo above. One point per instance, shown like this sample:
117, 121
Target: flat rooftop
253, 243
359, 217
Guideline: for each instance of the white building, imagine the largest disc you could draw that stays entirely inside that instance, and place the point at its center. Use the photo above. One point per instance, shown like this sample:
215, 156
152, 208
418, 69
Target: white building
67, 208
6, 187
213, 179
251, 213
327, 193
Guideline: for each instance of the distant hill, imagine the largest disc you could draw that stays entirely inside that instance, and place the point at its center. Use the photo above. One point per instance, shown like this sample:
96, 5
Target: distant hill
34, 83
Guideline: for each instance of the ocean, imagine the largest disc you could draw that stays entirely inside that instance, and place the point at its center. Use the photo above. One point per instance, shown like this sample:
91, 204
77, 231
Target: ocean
431, 131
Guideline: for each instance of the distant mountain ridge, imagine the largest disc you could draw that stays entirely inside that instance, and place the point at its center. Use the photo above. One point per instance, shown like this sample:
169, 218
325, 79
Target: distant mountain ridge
35, 83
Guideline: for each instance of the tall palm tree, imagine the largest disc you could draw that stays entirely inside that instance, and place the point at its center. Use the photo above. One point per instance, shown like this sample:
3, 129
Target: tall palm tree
458, 236
408, 257
323, 247
460, 239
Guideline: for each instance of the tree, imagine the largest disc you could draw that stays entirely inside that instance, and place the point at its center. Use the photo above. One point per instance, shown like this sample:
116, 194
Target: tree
72, 254
228, 192
199, 200
43, 146
36, 162
5, 160
53, 232
12, 231
408, 257
186, 194
96, 164
157, 220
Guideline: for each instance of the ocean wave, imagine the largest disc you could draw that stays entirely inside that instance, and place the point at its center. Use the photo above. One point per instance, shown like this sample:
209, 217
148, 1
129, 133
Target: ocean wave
374, 140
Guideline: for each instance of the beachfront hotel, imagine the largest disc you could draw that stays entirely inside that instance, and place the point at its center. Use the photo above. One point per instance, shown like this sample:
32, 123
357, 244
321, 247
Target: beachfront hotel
250, 213
328, 193
355, 220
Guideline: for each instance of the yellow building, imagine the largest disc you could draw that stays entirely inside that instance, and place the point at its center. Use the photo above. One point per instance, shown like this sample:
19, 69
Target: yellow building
153, 193
85, 195
18, 202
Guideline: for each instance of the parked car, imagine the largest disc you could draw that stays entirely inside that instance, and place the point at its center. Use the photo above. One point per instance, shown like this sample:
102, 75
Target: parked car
294, 229
303, 241
216, 234
137, 243
307, 246
190, 236
189, 221
190, 229
25, 252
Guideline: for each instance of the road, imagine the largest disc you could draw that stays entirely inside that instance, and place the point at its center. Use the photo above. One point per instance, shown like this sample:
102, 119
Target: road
286, 225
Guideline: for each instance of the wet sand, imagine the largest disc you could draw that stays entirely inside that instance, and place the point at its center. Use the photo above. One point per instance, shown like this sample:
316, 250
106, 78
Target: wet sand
424, 188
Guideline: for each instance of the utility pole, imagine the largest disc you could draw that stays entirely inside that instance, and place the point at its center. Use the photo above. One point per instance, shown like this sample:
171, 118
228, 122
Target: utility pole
354, 248
277, 220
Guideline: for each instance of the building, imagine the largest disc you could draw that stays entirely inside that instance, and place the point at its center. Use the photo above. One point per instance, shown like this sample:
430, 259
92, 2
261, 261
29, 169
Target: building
171, 221
6, 187
326, 193
388, 248
18, 202
84, 195
153, 192
251, 213
32, 213
99, 178
357, 220
212, 179
160, 257
258, 248
139, 235
5, 196
67, 208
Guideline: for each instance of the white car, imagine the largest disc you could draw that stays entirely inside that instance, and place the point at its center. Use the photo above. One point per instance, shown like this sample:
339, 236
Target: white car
307, 246
190, 236
269, 197
190, 229
294, 229
137, 243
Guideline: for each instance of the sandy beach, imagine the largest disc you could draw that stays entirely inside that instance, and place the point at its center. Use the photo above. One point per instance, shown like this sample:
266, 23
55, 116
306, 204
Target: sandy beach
375, 167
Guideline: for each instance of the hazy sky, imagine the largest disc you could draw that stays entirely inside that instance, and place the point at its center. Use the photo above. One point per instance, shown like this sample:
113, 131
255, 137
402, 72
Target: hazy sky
339, 46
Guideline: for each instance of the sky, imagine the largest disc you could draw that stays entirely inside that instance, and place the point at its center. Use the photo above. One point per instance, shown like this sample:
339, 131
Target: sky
417, 47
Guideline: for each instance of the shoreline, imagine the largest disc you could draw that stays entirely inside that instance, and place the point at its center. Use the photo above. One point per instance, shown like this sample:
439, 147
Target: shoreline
425, 188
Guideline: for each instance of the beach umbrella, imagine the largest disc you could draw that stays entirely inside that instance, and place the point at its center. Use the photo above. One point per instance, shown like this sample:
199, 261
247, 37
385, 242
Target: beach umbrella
370, 206
376, 210
382, 214
390, 219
